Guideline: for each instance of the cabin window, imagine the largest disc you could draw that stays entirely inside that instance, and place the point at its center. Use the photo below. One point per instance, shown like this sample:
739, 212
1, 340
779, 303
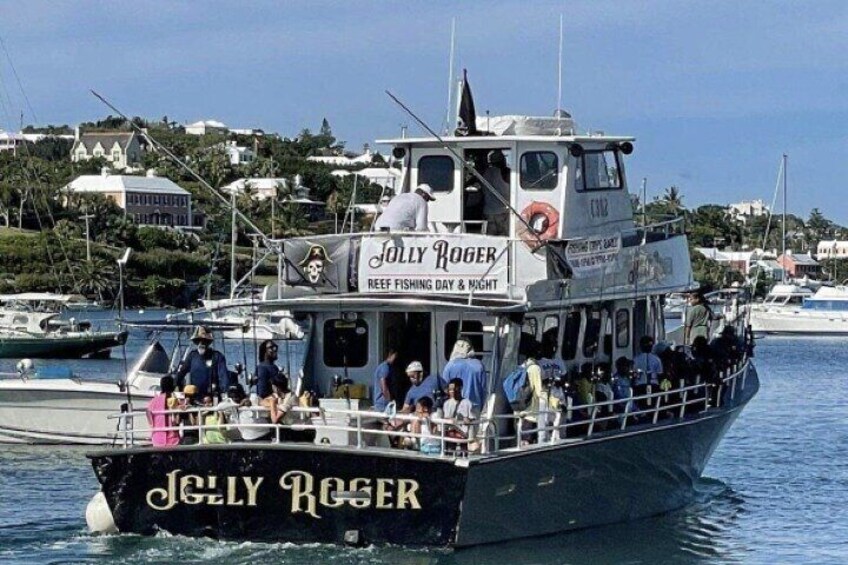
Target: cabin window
622, 328
598, 170
550, 337
345, 343
539, 170
570, 335
472, 330
437, 171
593, 334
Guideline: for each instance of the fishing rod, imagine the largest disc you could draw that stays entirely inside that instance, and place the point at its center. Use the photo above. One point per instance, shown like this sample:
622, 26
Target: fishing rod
468, 167
479, 177
270, 243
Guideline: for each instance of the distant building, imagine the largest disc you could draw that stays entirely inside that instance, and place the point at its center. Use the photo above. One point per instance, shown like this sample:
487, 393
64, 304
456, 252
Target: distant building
147, 200
739, 261
264, 188
799, 265
237, 154
383, 176
10, 141
743, 211
122, 150
345, 161
832, 249
204, 127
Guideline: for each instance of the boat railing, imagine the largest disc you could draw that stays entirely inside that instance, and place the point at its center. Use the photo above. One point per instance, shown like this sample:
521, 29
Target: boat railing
371, 429
635, 410
366, 426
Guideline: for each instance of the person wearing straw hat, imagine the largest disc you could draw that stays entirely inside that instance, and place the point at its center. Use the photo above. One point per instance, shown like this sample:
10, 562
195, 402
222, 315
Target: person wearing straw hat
206, 367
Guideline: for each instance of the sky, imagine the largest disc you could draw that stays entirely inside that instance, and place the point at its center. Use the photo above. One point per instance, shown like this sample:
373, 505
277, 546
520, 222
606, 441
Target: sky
714, 92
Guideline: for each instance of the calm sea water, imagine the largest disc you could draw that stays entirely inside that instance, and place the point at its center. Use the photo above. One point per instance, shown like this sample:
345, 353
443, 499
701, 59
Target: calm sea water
776, 491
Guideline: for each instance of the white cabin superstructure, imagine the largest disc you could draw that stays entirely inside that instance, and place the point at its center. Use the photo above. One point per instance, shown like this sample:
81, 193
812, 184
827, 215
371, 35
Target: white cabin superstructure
572, 270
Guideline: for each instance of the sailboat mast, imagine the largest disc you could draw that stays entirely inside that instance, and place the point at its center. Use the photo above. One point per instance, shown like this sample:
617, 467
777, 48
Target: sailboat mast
784, 217
233, 237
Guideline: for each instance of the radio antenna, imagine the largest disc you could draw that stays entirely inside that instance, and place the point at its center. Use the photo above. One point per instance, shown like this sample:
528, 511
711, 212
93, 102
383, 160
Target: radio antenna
559, 69
448, 117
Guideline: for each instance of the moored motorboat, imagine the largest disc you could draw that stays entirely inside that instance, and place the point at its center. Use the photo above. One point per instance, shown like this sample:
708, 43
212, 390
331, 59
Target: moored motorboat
556, 270
43, 405
30, 327
822, 313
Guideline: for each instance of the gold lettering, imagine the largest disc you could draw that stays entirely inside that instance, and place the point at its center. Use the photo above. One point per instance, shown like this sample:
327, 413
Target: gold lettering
301, 486
232, 492
328, 486
213, 499
191, 497
252, 486
384, 493
361, 485
406, 494
167, 495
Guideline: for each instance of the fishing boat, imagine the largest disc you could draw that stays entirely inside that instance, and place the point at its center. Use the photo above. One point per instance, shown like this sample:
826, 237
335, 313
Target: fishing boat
557, 262
50, 405
30, 327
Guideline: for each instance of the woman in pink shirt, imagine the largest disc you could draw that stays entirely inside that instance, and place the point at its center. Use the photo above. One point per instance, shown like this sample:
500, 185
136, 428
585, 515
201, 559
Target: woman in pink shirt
159, 419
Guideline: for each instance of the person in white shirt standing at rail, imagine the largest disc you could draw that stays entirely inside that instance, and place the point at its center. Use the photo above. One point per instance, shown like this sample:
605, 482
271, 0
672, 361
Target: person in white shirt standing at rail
407, 211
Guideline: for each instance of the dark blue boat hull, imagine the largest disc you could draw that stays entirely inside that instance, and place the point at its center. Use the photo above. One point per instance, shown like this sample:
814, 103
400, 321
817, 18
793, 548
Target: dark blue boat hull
611, 477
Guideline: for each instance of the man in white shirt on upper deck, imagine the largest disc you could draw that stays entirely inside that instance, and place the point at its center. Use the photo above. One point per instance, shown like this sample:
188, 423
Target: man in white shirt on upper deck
407, 211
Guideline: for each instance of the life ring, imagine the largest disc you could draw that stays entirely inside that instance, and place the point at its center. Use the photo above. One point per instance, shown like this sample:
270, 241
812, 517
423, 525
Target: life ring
543, 220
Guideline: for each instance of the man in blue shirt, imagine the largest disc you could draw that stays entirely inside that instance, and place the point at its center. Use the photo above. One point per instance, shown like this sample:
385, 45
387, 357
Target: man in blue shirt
267, 369
647, 365
382, 382
206, 368
469, 370
421, 387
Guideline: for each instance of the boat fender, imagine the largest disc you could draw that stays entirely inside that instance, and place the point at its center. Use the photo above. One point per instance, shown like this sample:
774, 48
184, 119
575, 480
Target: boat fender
98, 515
543, 220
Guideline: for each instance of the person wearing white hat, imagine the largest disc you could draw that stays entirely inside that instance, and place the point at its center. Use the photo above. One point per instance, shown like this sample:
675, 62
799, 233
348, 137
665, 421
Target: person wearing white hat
420, 388
407, 211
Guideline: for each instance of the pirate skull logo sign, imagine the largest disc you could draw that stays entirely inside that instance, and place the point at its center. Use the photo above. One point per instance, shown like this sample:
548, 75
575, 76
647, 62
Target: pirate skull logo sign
314, 264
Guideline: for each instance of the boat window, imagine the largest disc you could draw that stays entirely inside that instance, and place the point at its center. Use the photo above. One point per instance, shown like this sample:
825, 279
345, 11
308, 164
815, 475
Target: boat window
795, 300
598, 170
530, 327
570, 335
437, 171
539, 170
471, 330
593, 333
550, 337
622, 328
345, 343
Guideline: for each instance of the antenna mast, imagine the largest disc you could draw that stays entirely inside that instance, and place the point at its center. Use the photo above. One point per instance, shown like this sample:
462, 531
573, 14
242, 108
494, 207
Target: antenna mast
784, 216
450, 75
559, 73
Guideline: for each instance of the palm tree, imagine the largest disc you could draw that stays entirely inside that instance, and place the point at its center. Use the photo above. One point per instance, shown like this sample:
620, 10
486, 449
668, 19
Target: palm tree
95, 278
673, 199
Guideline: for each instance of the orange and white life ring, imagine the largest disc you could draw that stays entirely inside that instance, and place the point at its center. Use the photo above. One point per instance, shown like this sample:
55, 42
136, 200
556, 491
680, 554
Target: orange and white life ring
543, 220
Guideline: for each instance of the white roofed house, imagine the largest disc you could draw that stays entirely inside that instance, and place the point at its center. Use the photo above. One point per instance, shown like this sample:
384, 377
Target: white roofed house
386, 177
148, 200
366, 158
10, 141
237, 154
203, 127
289, 192
122, 150
741, 211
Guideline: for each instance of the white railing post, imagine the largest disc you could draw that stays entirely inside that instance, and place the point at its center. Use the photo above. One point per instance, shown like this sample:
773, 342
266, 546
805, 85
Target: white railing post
592, 421
657, 410
358, 431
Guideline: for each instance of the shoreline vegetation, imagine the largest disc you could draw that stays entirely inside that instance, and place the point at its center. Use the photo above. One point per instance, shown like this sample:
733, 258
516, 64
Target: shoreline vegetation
42, 233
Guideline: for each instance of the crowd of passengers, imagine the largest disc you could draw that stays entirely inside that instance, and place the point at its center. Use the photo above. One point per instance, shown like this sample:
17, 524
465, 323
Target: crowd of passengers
448, 404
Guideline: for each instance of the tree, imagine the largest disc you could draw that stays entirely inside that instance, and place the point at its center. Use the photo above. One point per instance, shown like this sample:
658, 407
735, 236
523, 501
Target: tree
673, 199
97, 278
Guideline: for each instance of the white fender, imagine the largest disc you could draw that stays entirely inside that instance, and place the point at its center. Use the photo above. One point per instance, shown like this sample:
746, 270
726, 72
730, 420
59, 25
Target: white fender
98, 516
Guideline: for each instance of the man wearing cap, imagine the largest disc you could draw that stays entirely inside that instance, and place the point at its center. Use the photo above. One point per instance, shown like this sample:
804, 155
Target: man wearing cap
406, 211
205, 367
420, 388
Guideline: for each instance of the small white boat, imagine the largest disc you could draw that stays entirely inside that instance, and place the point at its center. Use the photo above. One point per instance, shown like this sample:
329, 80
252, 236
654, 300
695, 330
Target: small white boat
783, 295
823, 313
51, 406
